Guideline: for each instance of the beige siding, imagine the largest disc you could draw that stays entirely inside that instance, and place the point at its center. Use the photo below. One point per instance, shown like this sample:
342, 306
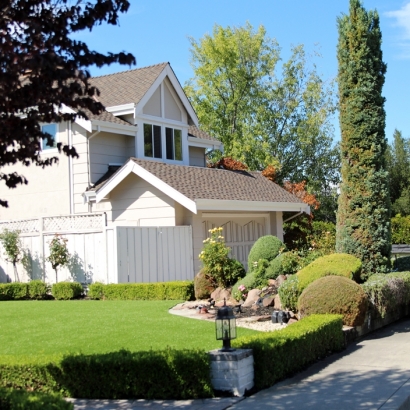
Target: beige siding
47, 191
197, 157
134, 202
80, 168
108, 148
171, 109
153, 106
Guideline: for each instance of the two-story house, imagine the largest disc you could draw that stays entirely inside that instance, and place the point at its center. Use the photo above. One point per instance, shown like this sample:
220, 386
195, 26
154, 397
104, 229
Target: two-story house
142, 162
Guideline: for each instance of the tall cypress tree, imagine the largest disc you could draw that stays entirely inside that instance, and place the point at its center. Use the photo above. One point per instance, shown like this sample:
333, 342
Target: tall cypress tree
363, 219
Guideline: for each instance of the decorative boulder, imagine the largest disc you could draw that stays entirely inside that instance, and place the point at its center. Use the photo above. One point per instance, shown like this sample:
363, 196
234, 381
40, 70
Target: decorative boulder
253, 296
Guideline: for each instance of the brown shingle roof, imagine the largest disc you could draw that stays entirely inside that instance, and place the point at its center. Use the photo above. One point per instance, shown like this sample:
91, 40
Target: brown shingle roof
196, 132
127, 86
219, 184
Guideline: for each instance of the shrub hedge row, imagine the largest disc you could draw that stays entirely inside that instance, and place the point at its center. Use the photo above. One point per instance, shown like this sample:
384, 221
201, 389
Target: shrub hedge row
66, 290
167, 374
280, 354
19, 399
143, 291
388, 292
36, 289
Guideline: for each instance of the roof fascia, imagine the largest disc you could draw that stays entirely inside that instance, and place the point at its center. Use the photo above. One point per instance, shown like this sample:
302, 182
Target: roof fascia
132, 167
255, 206
82, 122
203, 143
112, 127
122, 109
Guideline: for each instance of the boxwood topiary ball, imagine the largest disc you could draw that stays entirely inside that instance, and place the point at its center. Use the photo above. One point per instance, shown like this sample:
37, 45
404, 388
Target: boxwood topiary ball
337, 295
266, 247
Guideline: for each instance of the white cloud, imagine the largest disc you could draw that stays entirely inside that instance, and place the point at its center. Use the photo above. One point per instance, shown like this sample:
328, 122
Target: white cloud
402, 17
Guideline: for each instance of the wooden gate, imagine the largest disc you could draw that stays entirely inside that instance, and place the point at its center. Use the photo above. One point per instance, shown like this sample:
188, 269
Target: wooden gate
154, 254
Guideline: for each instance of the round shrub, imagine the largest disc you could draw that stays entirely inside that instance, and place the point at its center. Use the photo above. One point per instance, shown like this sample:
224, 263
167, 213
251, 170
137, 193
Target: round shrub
336, 295
96, 291
204, 285
66, 290
289, 293
337, 264
233, 271
266, 247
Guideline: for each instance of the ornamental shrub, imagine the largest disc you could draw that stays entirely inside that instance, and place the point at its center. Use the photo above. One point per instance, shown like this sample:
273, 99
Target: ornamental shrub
11, 399
295, 260
13, 291
204, 285
96, 291
249, 281
289, 293
336, 295
266, 247
37, 289
388, 292
66, 290
275, 267
225, 271
339, 264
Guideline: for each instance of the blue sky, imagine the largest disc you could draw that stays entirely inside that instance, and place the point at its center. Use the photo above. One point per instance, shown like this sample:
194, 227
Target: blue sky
157, 30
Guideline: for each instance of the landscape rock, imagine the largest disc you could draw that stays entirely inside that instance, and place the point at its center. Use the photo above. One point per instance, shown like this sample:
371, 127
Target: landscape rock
219, 294
273, 282
280, 279
269, 301
277, 303
253, 296
292, 320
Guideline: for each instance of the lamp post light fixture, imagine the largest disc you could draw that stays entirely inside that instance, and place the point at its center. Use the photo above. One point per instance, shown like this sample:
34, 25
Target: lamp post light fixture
225, 326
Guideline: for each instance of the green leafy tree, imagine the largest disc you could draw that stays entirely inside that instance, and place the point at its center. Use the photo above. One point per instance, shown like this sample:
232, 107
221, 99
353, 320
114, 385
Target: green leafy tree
363, 219
59, 255
13, 248
265, 113
42, 67
398, 166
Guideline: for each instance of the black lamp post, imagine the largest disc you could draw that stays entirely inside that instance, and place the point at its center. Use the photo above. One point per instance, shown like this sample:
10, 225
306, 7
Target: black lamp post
225, 325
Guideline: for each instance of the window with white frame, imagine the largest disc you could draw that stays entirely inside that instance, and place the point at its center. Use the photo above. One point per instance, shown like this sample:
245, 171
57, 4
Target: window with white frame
52, 130
173, 140
152, 141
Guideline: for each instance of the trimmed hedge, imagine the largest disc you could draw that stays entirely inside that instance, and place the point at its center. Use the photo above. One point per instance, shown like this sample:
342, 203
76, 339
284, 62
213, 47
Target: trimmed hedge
337, 295
167, 374
338, 264
20, 399
37, 289
13, 291
143, 291
66, 290
388, 292
280, 354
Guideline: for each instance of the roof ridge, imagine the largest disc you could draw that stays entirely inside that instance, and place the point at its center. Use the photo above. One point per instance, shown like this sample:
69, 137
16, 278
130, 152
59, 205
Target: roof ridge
128, 71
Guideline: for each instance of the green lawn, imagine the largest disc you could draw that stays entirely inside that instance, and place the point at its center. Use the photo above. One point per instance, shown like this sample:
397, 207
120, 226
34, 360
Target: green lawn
51, 328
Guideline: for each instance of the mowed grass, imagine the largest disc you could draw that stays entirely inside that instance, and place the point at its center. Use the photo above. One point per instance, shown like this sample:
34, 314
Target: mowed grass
53, 328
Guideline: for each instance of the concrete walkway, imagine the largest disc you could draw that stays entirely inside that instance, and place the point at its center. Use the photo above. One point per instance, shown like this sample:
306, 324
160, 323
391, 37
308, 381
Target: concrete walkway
373, 373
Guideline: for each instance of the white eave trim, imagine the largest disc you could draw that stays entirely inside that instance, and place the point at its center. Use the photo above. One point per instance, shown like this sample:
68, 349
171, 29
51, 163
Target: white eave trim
122, 109
132, 167
203, 143
82, 122
112, 127
255, 206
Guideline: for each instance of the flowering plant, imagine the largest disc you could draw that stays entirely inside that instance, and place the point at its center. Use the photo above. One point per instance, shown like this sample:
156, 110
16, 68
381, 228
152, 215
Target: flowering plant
217, 263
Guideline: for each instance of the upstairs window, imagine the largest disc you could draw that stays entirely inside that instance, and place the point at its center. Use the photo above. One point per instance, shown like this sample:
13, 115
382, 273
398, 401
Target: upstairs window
52, 130
152, 141
173, 144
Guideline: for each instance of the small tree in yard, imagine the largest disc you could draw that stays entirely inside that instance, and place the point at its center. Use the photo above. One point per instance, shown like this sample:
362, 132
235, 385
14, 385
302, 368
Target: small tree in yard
59, 254
12, 248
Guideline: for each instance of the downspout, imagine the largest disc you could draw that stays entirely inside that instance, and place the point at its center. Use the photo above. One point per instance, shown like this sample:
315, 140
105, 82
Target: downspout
70, 170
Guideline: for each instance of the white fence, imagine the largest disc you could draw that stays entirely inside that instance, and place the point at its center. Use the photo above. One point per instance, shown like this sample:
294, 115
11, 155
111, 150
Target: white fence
101, 253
